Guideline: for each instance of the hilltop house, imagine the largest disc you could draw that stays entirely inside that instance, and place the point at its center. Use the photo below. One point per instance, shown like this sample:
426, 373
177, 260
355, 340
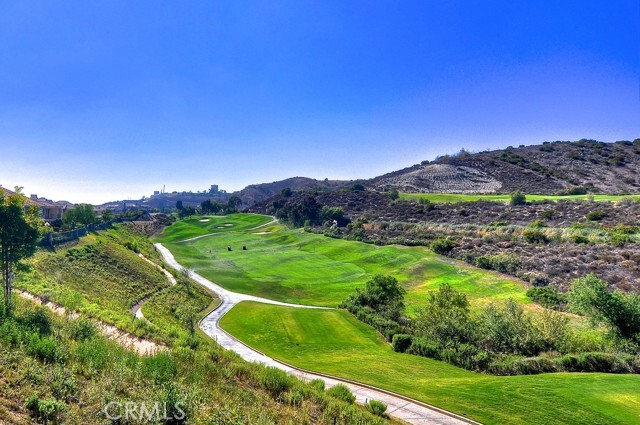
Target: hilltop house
49, 210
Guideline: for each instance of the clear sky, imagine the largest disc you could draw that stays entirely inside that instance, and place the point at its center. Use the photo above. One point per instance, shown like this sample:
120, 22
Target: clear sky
105, 100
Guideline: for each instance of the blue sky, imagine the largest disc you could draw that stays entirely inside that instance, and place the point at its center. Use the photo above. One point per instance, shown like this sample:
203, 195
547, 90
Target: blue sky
112, 99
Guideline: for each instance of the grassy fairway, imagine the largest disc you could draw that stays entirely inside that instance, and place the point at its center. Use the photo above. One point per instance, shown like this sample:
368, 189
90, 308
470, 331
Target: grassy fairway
204, 225
294, 266
456, 197
335, 342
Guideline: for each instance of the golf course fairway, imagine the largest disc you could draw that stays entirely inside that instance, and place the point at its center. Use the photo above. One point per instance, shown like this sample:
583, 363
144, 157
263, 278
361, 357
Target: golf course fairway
294, 266
334, 342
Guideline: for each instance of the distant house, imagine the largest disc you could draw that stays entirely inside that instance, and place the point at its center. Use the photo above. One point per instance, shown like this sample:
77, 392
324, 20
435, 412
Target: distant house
49, 210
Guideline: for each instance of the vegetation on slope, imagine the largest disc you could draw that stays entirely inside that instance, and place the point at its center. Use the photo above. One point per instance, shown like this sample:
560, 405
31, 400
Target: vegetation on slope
102, 277
62, 371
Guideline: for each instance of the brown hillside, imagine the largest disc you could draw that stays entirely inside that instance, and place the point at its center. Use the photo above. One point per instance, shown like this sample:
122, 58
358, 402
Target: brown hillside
548, 168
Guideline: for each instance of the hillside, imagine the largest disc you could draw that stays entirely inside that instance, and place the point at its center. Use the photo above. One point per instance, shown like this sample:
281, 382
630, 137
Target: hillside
548, 168
259, 192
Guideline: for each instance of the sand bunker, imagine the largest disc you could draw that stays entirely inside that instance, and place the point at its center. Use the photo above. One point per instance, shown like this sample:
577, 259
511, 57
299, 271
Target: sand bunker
228, 225
204, 220
261, 233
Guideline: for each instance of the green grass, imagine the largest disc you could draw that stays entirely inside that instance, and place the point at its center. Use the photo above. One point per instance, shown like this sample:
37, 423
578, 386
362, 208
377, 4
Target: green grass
204, 225
213, 385
293, 266
456, 197
334, 342
99, 277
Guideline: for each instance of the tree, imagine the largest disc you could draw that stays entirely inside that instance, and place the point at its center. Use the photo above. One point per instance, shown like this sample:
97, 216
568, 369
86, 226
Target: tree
233, 204
107, 216
209, 207
82, 214
179, 205
382, 294
358, 187
518, 198
286, 192
20, 225
446, 317
393, 194
621, 312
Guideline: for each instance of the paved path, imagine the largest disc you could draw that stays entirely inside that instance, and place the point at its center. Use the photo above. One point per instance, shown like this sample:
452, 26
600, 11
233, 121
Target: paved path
398, 406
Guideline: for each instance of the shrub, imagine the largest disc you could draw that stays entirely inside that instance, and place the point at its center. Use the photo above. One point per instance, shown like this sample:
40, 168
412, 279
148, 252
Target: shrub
445, 318
443, 246
318, 384
547, 214
535, 236
393, 194
596, 215
508, 329
93, 354
401, 342
424, 347
518, 198
376, 407
80, 329
546, 296
275, 381
46, 349
160, 367
580, 239
47, 410
39, 320
341, 392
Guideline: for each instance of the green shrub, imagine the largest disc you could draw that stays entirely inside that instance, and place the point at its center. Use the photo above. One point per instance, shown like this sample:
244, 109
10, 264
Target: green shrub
80, 329
546, 296
275, 381
39, 320
535, 236
341, 392
160, 367
620, 239
425, 347
580, 239
318, 384
401, 342
47, 410
518, 198
93, 354
46, 349
443, 246
376, 407
596, 215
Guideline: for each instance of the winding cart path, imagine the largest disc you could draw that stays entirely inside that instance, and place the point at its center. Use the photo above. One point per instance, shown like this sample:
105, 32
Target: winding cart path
398, 406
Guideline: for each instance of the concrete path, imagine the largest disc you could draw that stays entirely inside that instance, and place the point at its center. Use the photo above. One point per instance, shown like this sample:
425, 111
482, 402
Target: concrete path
398, 406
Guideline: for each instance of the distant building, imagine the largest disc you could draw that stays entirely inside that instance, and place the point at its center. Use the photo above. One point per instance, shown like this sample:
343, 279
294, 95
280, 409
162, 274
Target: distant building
156, 192
49, 210
214, 188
